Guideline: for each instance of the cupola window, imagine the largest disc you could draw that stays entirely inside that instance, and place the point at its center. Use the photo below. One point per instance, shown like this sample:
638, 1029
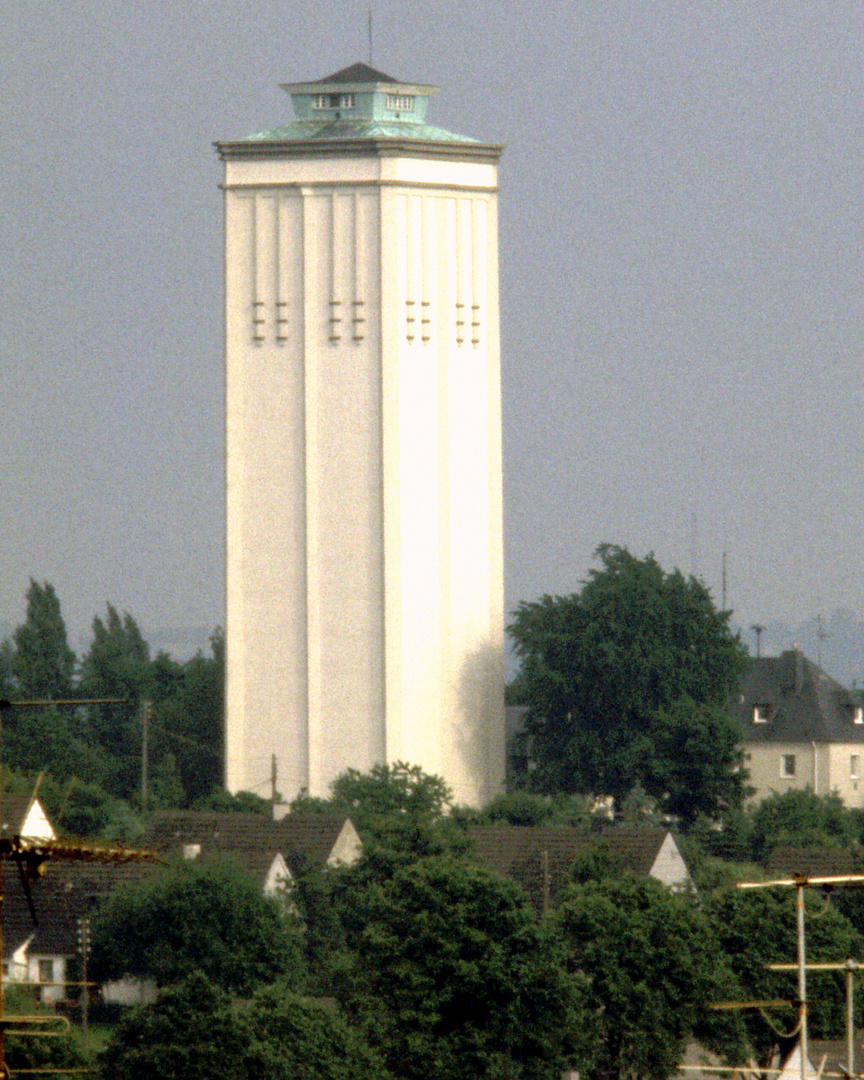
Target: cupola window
400, 102
333, 101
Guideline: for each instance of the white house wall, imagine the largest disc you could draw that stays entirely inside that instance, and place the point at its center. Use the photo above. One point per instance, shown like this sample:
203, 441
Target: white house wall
822, 767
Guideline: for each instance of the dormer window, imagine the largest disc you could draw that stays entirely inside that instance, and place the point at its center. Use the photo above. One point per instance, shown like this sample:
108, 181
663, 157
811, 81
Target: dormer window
333, 101
858, 714
761, 714
400, 102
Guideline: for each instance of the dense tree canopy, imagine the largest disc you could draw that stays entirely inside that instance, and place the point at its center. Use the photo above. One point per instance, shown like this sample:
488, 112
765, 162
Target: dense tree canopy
207, 916
190, 1032
101, 744
400, 812
193, 1031
800, 818
454, 977
42, 665
624, 681
651, 964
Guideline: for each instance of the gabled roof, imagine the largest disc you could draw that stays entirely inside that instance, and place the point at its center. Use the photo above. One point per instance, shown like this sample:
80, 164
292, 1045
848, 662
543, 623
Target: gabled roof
22, 815
170, 830
803, 703
246, 836
540, 858
326, 838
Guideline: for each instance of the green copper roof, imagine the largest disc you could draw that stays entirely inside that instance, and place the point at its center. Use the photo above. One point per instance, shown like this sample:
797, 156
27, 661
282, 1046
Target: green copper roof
305, 131
358, 102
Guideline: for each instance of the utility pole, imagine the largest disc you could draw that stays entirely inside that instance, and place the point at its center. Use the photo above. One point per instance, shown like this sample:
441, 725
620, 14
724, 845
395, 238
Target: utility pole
84, 952
145, 725
758, 631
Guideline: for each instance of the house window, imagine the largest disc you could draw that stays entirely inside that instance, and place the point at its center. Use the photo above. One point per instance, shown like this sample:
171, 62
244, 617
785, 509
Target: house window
333, 101
761, 714
787, 766
853, 766
858, 715
46, 971
400, 102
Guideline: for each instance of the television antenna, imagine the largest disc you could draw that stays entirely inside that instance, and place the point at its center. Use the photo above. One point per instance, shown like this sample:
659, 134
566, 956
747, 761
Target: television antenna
30, 855
800, 882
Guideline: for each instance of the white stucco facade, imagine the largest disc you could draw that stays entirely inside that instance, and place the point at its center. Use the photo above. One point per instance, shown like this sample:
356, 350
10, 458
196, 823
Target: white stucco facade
364, 532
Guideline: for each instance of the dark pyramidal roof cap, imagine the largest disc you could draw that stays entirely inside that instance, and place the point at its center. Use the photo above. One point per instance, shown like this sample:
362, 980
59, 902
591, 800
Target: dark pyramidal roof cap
358, 73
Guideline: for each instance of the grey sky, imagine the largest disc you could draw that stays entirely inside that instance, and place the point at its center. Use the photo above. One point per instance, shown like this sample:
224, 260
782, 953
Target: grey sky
681, 262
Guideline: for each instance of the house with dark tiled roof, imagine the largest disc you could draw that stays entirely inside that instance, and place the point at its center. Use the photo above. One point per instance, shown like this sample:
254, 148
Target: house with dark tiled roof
39, 917
248, 839
799, 729
330, 839
540, 858
270, 850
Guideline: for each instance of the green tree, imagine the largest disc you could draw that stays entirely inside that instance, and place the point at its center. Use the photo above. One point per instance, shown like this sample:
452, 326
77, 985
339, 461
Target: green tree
193, 1031
625, 679
454, 977
190, 1032
117, 665
802, 819
187, 718
41, 666
208, 916
520, 807
400, 812
652, 965
241, 802
294, 1039
37, 1052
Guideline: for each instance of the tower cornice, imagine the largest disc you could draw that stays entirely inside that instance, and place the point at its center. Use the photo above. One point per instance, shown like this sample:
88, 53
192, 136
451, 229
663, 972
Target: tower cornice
252, 150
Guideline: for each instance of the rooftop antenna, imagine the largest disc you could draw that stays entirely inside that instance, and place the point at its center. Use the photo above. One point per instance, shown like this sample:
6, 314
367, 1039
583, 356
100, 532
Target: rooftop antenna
724, 608
821, 635
758, 631
370, 37
694, 544
800, 882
